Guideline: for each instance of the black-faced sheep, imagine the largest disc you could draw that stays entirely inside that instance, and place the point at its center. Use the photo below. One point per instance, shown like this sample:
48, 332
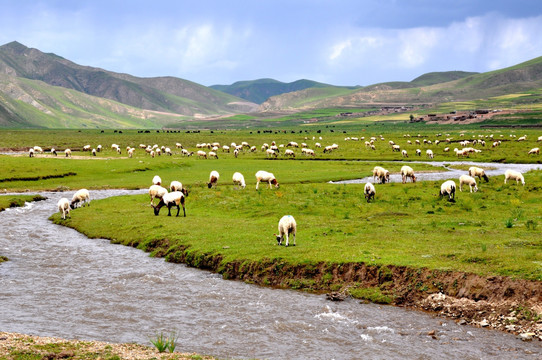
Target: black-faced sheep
80, 196
156, 180
171, 199
287, 226
382, 174
213, 179
369, 191
476, 171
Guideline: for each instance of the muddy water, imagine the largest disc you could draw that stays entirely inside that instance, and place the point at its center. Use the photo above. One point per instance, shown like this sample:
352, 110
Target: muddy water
446, 172
60, 283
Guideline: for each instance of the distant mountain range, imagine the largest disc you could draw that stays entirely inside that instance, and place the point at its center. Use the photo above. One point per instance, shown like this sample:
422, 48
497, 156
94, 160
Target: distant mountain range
45, 90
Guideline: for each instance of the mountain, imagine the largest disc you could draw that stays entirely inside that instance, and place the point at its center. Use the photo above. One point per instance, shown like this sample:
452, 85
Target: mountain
257, 91
166, 94
430, 88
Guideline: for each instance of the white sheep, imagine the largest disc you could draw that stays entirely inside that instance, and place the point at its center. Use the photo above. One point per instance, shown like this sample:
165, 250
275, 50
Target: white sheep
271, 152
80, 196
131, 152
68, 152
407, 172
213, 179
31, 152
167, 151
289, 152
404, 153
382, 174
156, 191
287, 226
239, 179
93, 152
53, 151
175, 186
514, 175
202, 154
476, 171
266, 177
469, 180
38, 149
534, 151
171, 199
213, 154
448, 188
429, 153
156, 180
64, 207
418, 152
369, 191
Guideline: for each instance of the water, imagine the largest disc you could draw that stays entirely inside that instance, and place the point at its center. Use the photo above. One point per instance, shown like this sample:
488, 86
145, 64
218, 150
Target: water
449, 173
60, 283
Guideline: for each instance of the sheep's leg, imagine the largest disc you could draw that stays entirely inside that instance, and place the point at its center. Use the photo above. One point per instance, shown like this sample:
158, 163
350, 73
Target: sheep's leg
178, 210
257, 183
294, 238
270, 184
169, 210
287, 242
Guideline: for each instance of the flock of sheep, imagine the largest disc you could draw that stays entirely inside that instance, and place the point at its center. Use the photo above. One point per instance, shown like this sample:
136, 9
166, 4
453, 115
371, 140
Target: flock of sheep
287, 225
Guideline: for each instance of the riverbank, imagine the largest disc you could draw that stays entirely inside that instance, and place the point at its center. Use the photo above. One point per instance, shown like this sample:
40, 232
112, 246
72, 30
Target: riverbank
20, 346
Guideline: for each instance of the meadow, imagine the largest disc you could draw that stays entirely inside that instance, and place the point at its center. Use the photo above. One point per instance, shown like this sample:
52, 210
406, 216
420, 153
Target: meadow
407, 224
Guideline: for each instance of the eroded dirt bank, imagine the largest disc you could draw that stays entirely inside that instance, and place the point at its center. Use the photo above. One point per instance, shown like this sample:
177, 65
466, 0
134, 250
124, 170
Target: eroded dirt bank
497, 302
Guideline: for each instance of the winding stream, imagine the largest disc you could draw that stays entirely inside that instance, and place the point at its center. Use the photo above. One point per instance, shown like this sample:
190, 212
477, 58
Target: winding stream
60, 283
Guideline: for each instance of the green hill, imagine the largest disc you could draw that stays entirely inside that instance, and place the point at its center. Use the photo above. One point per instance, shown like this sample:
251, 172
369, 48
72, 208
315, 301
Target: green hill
258, 91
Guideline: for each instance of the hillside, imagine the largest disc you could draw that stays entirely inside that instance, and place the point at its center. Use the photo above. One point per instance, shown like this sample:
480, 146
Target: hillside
167, 94
430, 88
260, 90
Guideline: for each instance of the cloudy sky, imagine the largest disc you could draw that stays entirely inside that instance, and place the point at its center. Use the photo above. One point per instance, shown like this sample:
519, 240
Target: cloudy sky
340, 42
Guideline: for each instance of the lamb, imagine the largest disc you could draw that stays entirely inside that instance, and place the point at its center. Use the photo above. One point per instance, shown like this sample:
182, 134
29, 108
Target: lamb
156, 191
213, 179
476, 171
404, 153
64, 207
469, 180
514, 175
287, 226
448, 188
382, 174
156, 180
68, 152
171, 199
534, 151
429, 153
407, 172
369, 191
266, 177
80, 196
239, 179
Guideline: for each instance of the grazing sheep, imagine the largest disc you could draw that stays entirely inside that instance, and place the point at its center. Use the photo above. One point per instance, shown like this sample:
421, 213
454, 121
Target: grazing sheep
418, 152
175, 186
535, 151
86, 148
448, 188
289, 152
382, 174
64, 207
429, 153
287, 226
407, 172
404, 153
53, 151
476, 171
539, 138
131, 152
213, 154
80, 196
93, 152
213, 179
167, 151
68, 152
156, 180
266, 177
156, 191
369, 191
38, 149
202, 154
271, 152
469, 180
171, 199
31, 152
514, 175
239, 179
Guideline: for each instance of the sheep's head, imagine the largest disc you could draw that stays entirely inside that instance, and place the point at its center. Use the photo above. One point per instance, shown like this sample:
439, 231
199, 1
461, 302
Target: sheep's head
413, 178
485, 178
185, 191
279, 239
209, 185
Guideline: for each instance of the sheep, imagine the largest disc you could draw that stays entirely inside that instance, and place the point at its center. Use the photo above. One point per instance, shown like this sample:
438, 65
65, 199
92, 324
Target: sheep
31, 152
407, 172
369, 191
469, 180
514, 175
448, 188
382, 174
213, 179
171, 199
93, 152
270, 152
175, 186
99, 148
131, 152
86, 148
266, 177
68, 152
213, 154
476, 171
534, 151
395, 148
539, 139
287, 226
225, 148
38, 149
167, 151
156, 191
156, 180
64, 207
202, 154
53, 151
404, 153
418, 152
429, 153
80, 196
289, 152
239, 179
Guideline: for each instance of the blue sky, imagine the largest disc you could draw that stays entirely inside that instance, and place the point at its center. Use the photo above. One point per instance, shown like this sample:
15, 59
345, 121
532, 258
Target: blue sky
349, 42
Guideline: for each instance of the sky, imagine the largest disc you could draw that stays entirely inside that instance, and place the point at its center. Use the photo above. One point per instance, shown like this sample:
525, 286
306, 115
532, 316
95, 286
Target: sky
340, 42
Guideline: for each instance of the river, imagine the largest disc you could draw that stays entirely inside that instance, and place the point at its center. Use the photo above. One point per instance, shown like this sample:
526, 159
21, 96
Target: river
60, 283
